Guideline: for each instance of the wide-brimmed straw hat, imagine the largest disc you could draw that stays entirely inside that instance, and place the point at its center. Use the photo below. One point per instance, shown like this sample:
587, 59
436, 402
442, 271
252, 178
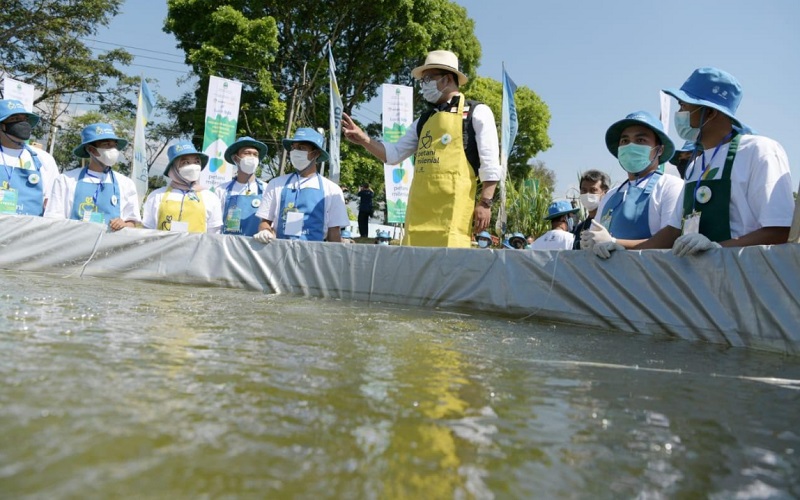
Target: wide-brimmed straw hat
440, 59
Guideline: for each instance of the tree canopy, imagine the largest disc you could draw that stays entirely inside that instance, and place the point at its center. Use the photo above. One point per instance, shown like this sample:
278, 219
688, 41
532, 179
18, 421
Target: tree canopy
278, 50
43, 42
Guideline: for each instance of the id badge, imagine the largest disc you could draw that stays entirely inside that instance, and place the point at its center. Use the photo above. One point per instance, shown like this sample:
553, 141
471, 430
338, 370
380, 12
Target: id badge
8, 201
97, 217
294, 223
233, 222
691, 224
606, 220
178, 226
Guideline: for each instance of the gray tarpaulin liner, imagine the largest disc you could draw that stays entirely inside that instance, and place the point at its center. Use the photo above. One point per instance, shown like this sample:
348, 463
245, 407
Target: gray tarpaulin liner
741, 297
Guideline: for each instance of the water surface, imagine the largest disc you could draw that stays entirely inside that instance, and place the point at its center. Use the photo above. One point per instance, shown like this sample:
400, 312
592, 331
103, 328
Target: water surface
119, 388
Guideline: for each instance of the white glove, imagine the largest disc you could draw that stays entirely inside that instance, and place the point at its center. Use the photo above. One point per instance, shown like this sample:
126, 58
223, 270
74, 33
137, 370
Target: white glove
604, 249
595, 235
690, 244
264, 236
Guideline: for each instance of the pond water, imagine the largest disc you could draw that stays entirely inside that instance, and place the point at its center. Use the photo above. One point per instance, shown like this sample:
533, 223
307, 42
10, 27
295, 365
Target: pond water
120, 388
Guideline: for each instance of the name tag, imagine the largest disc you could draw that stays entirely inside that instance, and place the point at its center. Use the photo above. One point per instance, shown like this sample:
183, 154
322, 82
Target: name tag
8, 201
691, 224
179, 227
294, 224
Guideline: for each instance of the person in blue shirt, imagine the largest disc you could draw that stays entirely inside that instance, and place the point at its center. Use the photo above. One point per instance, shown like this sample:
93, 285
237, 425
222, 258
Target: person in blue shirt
27, 173
241, 197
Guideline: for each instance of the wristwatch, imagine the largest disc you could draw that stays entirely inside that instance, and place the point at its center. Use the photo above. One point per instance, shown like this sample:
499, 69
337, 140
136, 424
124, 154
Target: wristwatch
486, 202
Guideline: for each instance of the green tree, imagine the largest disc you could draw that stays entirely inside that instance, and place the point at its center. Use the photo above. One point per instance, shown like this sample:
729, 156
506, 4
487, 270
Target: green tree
533, 117
373, 43
42, 42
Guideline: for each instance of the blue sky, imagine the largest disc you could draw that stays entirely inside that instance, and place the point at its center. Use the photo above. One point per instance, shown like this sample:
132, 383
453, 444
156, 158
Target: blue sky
591, 61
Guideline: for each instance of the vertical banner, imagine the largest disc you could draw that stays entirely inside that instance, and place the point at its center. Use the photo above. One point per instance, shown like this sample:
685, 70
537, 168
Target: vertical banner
335, 134
21, 91
508, 125
222, 114
144, 110
666, 100
398, 115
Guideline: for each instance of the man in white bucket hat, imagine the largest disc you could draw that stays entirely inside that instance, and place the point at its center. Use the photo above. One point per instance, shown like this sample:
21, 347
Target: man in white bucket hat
738, 188
454, 144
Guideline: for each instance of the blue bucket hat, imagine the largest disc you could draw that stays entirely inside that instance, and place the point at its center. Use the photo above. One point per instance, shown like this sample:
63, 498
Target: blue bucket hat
306, 134
244, 142
559, 208
383, 235
713, 88
183, 148
97, 132
484, 234
517, 237
10, 107
346, 234
614, 133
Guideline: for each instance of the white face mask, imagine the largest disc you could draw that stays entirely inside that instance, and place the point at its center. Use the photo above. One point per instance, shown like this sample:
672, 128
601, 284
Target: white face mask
107, 156
190, 173
483, 243
590, 200
299, 159
248, 164
430, 91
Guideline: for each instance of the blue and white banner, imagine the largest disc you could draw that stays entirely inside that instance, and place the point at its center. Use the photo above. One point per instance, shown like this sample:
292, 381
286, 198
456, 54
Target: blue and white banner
335, 121
509, 126
144, 110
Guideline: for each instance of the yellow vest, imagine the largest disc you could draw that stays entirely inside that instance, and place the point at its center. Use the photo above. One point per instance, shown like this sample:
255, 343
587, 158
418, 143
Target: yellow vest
441, 200
189, 209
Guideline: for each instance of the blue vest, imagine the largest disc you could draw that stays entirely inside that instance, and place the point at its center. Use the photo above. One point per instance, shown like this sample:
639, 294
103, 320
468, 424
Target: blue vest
96, 197
248, 206
626, 214
28, 185
310, 202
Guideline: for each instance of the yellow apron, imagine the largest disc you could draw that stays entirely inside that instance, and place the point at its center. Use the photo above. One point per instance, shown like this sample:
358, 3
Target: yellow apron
190, 208
441, 200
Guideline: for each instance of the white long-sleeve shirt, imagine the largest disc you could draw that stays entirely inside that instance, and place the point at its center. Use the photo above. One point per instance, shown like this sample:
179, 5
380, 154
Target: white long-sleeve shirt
485, 136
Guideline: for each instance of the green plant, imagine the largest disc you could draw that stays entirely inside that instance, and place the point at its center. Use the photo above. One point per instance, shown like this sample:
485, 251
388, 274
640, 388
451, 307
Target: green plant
526, 204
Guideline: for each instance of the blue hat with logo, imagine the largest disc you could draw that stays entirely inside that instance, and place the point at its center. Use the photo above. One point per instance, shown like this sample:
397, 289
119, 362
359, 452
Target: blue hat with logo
484, 234
244, 142
644, 118
346, 234
183, 148
383, 235
10, 107
559, 208
306, 134
97, 132
713, 88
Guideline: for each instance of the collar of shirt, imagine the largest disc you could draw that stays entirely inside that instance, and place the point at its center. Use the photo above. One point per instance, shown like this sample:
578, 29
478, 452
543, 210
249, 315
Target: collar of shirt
448, 104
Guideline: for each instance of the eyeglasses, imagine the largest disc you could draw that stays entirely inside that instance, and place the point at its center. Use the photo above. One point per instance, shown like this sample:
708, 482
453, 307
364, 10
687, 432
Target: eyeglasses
430, 78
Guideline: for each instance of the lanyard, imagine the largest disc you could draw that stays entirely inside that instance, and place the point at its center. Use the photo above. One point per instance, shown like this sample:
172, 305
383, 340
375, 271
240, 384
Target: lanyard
183, 198
9, 169
99, 184
625, 193
706, 167
300, 186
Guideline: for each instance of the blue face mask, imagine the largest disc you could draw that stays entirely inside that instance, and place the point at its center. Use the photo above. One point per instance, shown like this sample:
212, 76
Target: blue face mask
483, 243
634, 158
684, 127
